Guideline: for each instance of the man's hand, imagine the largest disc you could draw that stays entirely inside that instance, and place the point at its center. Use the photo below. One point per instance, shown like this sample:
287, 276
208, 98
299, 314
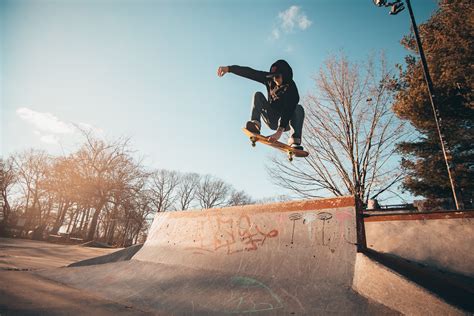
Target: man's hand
275, 137
222, 70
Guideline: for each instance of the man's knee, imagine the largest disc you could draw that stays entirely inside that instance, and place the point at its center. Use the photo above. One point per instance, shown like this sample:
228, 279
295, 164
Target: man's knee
300, 109
258, 96
298, 114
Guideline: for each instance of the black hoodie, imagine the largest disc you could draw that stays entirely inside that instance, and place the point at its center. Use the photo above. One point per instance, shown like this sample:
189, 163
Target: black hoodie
283, 98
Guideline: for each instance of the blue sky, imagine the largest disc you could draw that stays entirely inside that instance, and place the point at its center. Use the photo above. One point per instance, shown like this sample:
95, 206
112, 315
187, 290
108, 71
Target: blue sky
146, 69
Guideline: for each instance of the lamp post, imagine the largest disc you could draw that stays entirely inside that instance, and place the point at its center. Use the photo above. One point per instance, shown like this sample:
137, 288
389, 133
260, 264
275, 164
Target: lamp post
396, 7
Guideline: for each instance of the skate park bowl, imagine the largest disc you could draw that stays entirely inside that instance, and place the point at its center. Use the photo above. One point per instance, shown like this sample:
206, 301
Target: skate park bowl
297, 258
431, 250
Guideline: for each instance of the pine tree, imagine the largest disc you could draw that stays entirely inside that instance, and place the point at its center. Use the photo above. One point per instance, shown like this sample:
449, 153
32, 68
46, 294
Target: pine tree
447, 39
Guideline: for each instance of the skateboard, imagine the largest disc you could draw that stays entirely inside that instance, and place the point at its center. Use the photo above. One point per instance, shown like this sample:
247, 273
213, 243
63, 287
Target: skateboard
254, 138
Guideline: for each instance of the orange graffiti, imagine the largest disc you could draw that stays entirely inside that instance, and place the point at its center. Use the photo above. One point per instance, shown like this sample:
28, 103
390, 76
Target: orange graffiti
232, 235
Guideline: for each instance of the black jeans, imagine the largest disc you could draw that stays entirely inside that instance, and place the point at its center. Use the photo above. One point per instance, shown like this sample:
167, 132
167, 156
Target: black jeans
261, 109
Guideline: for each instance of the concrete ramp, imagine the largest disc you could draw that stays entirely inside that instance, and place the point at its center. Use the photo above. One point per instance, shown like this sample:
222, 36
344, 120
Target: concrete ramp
282, 258
305, 241
441, 240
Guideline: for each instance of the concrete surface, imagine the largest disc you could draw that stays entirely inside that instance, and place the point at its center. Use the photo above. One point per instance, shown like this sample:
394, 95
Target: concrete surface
282, 258
24, 293
24, 254
119, 255
293, 258
443, 243
165, 289
305, 241
454, 289
383, 285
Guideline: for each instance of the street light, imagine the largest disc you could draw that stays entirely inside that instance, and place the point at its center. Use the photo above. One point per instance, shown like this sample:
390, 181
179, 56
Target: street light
396, 7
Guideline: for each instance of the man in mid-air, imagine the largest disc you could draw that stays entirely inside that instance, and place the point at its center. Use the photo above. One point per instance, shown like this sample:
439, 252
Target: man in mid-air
281, 111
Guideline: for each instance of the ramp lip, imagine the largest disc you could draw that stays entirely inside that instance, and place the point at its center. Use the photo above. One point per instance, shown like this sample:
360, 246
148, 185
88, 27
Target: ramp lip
418, 216
290, 206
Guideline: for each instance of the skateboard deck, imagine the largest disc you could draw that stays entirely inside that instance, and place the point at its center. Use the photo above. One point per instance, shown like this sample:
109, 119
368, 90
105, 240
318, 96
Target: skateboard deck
254, 138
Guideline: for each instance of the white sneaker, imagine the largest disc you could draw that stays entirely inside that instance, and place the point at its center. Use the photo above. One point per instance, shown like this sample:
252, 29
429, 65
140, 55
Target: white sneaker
296, 146
292, 141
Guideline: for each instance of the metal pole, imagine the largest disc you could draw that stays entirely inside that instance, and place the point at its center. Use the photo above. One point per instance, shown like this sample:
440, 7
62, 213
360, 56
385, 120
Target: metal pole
433, 106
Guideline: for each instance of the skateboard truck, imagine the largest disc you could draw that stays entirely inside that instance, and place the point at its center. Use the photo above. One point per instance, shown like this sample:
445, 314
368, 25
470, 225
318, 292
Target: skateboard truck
290, 156
291, 152
253, 139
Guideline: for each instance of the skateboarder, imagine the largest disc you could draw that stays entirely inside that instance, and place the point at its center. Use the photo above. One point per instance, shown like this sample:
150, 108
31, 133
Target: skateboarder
281, 111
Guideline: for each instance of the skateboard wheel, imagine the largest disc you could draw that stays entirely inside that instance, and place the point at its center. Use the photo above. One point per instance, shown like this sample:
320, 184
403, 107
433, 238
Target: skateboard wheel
290, 156
253, 140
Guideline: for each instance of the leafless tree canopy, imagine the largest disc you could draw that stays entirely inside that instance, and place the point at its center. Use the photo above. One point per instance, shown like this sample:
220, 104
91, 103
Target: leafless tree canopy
212, 192
163, 189
187, 187
8, 178
239, 198
350, 133
99, 192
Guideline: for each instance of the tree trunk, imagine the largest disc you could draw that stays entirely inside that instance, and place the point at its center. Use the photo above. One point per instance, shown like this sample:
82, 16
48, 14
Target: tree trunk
69, 223
46, 217
112, 225
93, 226
61, 215
125, 230
110, 235
76, 218
6, 208
83, 217
85, 224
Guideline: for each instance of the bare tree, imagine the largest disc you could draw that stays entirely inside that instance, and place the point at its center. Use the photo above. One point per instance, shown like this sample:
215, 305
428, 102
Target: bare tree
212, 192
274, 199
350, 134
63, 185
129, 180
135, 218
98, 162
186, 190
100, 192
163, 189
239, 198
7, 180
32, 168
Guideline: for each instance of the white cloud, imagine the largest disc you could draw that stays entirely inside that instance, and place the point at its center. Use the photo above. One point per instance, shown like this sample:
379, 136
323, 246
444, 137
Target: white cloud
289, 49
304, 22
88, 127
293, 17
289, 20
50, 139
276, 33
45, 122
48, 127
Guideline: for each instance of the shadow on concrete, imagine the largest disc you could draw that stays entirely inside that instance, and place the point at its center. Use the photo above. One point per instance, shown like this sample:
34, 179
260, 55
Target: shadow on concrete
456, 289
181, 290
121, 255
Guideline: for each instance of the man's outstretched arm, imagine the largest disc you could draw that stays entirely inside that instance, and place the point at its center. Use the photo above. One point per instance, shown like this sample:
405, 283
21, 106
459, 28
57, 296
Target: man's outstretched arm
246, 72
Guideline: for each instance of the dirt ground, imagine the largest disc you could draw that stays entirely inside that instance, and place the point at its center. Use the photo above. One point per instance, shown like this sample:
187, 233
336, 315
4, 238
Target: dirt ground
24, 293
